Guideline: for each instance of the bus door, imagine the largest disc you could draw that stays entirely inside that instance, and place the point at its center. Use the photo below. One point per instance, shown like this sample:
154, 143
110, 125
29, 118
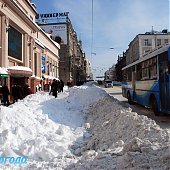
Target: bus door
164, 79
134, 80
134, 83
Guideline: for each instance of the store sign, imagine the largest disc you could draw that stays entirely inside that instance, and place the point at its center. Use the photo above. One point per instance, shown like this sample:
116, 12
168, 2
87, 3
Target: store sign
3, 76
43, 65
51, 15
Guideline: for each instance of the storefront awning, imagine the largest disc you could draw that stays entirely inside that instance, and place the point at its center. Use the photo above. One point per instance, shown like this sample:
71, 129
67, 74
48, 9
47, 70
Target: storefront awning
49, 77
19, 71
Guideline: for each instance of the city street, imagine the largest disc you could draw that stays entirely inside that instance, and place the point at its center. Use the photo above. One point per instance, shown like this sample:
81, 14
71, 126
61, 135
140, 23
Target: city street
163, 120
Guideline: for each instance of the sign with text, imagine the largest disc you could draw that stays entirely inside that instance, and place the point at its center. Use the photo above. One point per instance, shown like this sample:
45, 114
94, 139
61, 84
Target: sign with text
43, 64
56, 30
51, 15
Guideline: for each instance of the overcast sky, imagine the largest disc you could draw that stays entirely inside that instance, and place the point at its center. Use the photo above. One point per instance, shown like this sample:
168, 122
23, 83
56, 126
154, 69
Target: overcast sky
115, 24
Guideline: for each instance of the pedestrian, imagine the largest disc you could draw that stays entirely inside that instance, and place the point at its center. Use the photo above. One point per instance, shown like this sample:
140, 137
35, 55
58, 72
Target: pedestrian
55, 89
39, 87
20, 93
27, 90
61, 85
52, 86
15, 93
5, 94
68, 83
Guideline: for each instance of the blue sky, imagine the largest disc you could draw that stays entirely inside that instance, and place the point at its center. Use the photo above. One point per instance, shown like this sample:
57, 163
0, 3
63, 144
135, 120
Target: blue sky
115, 24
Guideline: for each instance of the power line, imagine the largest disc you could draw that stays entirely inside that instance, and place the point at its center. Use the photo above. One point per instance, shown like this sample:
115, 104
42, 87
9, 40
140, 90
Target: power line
92, 30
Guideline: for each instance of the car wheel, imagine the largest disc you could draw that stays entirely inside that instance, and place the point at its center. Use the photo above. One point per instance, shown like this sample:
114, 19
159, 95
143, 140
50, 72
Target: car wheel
154, 106
130, 101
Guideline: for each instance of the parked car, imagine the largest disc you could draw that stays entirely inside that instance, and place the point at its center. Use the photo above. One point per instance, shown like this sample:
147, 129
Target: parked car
108, 83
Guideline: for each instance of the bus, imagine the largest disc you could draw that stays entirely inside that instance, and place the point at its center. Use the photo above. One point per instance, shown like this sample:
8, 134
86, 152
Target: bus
147, 80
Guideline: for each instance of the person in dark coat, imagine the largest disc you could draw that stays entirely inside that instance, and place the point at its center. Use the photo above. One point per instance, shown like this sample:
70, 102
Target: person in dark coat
5, 94
14, 93
54, 88
61, 85
20, 93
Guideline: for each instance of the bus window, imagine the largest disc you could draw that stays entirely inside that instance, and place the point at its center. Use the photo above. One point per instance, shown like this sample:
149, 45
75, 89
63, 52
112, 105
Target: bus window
139, 71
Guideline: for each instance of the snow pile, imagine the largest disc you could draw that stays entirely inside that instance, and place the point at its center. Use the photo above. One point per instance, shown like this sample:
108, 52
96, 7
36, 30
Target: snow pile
121, 139
43, 128
84, 128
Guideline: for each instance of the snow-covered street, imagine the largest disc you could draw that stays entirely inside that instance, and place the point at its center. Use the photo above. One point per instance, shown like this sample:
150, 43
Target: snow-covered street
84, 128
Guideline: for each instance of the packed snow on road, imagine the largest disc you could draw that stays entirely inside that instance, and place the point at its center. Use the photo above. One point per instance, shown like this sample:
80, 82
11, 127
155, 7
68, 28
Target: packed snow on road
84, 128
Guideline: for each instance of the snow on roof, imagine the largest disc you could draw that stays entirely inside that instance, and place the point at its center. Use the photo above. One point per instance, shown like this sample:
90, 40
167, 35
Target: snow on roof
19, 68
50, 77
3, 70
39, 43
39, 78
48, 35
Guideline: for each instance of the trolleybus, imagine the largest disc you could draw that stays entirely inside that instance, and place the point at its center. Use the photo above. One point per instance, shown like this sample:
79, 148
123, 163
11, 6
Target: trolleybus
147, 80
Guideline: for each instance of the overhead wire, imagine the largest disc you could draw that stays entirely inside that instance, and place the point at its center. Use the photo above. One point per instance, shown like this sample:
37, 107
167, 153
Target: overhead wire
92, 30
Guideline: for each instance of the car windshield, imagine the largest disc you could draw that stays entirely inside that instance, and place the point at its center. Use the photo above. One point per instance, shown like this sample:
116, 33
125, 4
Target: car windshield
108, 81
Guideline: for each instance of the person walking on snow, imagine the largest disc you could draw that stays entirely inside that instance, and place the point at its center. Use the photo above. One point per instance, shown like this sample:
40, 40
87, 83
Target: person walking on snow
5, 94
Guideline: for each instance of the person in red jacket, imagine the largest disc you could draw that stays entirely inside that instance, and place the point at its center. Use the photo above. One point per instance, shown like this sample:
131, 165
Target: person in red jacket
29, 91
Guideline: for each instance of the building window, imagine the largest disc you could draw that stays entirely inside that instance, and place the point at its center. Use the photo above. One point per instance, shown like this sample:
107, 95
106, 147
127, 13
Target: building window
35, 64
14, 43
48, 68
146, 42
146, 51
158, 42
165, 41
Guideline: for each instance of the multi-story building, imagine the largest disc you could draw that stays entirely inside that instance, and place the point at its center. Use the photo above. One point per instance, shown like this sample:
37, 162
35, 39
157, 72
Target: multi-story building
144, 43
121, 62
26, 52
111, 73
72, 58
89, 75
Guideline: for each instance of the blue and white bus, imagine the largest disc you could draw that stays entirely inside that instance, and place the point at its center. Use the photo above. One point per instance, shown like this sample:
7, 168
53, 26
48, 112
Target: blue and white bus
147, 80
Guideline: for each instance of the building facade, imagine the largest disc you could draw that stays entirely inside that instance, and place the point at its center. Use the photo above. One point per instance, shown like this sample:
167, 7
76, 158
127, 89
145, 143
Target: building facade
72, 58
89, 75
144, 43
24, 46
110, 74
